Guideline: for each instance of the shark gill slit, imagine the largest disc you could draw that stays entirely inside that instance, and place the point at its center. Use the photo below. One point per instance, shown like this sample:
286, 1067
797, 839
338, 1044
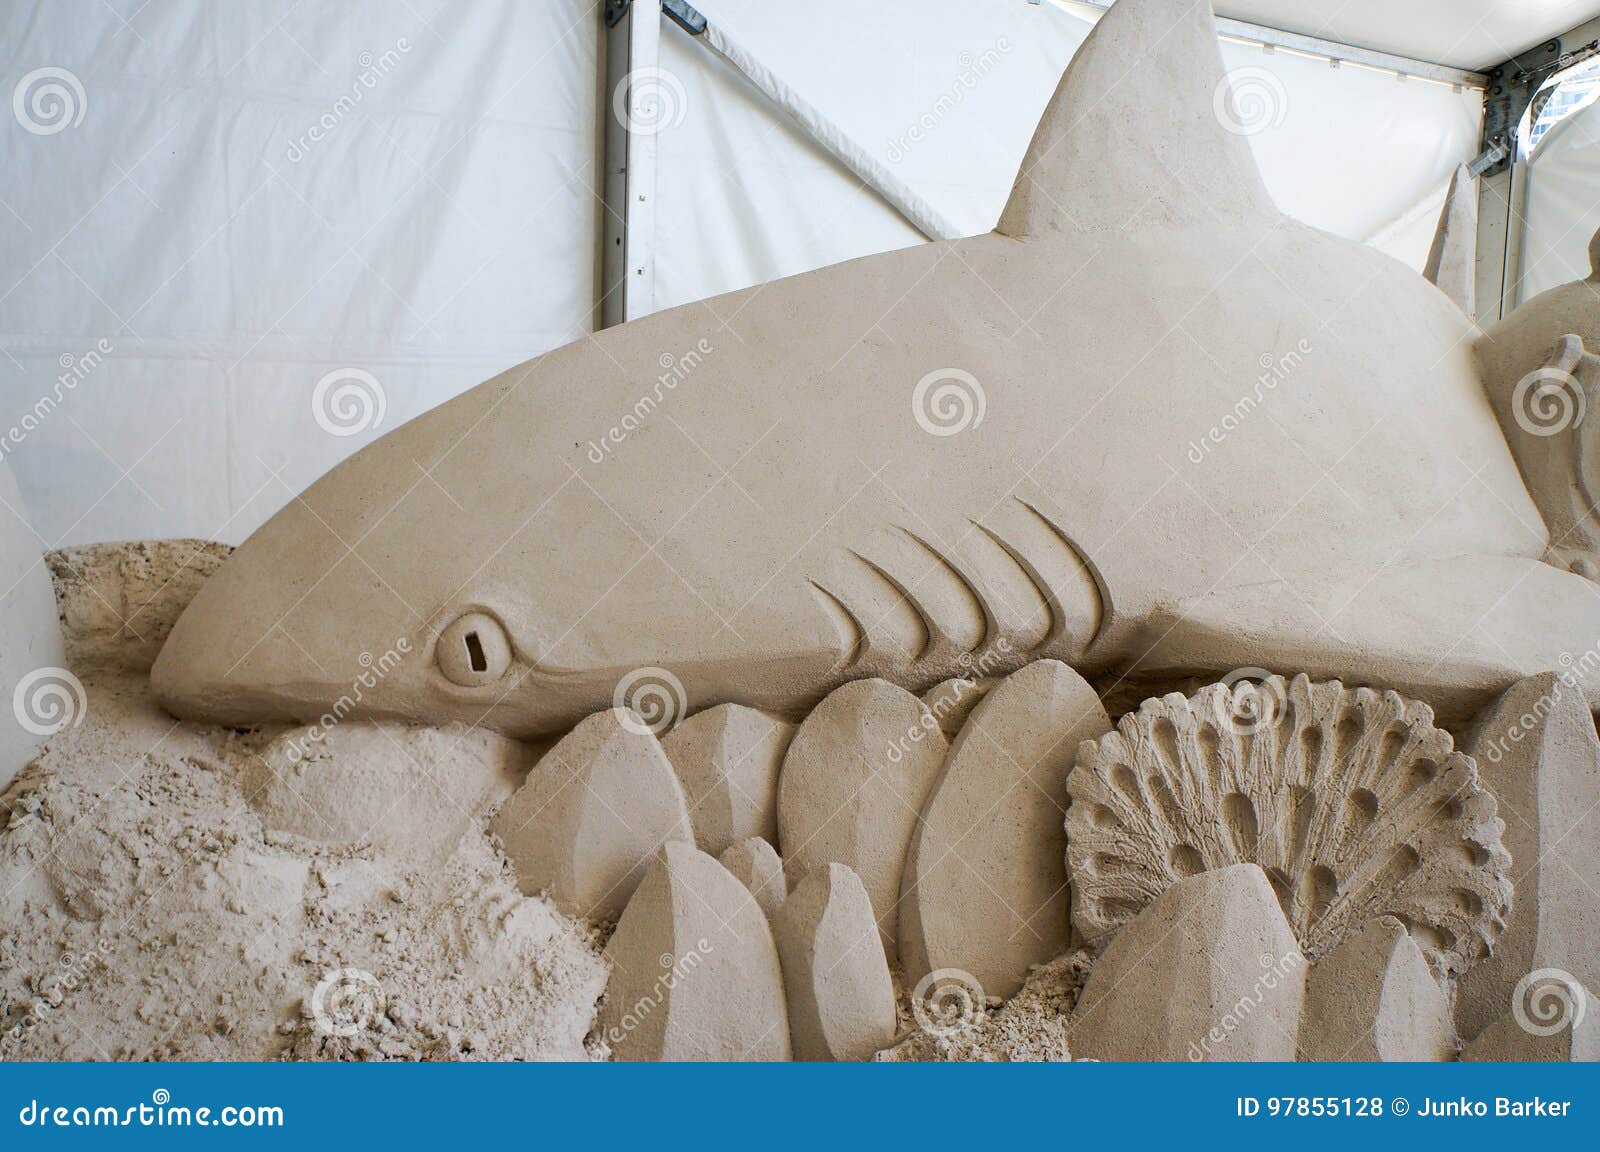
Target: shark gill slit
930, 629
1052, 602
1086, 599
980, 605
1101, 609
852, 636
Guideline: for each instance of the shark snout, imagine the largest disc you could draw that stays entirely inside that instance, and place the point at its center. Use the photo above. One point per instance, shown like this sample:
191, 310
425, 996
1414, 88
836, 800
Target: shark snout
291, 625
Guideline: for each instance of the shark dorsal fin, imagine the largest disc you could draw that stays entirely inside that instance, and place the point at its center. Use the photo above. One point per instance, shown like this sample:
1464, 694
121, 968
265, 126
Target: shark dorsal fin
1452, 261
1142, 123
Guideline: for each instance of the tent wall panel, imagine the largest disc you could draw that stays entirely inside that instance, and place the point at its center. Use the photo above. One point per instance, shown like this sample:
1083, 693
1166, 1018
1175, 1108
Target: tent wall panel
260, 194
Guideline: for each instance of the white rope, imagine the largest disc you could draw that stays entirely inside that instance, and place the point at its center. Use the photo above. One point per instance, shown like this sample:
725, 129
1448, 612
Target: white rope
867, 167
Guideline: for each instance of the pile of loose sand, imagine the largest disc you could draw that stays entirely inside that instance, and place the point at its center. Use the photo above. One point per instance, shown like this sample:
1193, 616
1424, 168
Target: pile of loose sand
170, 891
1031, 1026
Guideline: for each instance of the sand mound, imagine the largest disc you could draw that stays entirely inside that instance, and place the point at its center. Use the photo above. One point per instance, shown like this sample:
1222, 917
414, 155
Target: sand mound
171, 891
119, 601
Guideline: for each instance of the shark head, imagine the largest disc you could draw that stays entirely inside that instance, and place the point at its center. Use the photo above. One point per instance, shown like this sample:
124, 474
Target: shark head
418, 581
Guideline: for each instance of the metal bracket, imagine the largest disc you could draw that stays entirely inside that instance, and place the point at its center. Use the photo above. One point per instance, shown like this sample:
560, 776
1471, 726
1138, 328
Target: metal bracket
1511, 89
685, 16
1487, 159
615, 11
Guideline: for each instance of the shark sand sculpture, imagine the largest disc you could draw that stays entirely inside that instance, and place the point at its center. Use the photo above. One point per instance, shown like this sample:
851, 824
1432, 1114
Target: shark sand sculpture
1149, 426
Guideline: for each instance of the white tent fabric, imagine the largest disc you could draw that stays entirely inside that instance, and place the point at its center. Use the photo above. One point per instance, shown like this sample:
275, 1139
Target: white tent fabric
221, 223
209, 209
949, 106
1352, 151
743, 196
947, 102
1562, 210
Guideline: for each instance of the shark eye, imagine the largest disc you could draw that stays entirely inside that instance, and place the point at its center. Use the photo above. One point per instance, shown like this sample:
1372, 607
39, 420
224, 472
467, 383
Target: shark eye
474, 650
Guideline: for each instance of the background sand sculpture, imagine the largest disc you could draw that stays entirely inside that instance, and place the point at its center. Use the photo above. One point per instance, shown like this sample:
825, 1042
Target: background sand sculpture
1542, 373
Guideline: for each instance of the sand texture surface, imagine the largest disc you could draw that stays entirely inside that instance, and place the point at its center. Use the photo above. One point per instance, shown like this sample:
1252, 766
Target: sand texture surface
172, 891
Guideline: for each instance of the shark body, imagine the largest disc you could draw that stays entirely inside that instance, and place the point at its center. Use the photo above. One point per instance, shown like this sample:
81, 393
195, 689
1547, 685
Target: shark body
1149, 426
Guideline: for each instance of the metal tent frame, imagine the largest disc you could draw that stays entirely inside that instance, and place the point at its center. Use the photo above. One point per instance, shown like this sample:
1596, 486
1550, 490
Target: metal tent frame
631, 49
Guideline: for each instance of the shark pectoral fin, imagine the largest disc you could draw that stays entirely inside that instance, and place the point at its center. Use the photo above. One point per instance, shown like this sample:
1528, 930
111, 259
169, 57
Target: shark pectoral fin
1557, 449
1568, 354
1451, 632
1155, 64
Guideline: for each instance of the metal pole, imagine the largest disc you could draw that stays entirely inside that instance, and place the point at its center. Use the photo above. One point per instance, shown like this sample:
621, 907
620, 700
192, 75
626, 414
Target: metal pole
627, 262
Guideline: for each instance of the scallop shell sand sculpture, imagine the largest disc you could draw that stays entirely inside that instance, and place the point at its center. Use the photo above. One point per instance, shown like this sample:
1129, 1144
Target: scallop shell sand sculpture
1350, 800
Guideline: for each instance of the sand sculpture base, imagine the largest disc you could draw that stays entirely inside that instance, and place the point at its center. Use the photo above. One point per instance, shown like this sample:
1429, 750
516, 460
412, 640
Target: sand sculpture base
178, 891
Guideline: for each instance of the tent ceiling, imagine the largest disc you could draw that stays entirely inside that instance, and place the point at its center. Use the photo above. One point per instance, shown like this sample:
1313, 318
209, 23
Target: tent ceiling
1474, 34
